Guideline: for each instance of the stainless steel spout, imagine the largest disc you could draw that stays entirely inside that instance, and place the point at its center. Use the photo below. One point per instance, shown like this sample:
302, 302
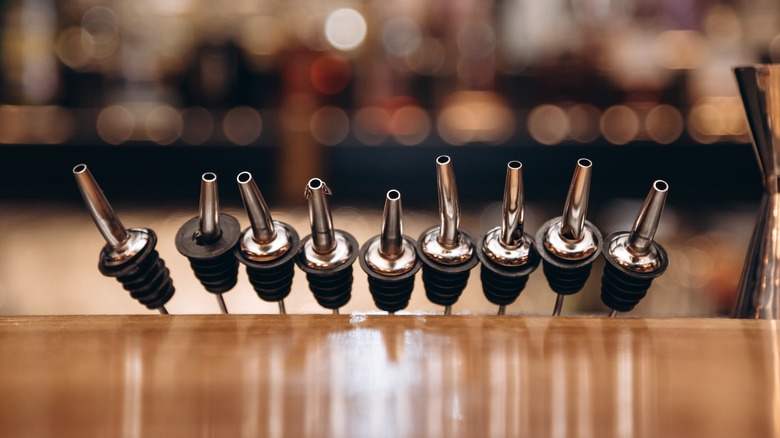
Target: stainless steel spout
389, 253
323, 239
102, 214
449, 207
641, 238
259, 214
391, 237
512, 211
209, 208
576, 207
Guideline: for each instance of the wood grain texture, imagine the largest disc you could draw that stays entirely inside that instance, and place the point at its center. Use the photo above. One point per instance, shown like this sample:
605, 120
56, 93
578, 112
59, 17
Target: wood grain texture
358, 375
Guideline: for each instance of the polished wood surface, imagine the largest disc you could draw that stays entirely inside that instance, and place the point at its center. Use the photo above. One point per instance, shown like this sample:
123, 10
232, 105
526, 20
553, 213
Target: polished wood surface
376, 375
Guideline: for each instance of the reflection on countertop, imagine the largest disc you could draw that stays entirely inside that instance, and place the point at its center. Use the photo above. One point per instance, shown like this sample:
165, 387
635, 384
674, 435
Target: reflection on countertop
372, 375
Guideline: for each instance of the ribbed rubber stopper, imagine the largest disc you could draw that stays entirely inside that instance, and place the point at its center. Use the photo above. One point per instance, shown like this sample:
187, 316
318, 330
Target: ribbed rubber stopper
332, 288
331, 291
217, 275
390, 293
144, 276
502, 285
213, 263
444, 284
272, 280
272, 283
565, 280
622, 289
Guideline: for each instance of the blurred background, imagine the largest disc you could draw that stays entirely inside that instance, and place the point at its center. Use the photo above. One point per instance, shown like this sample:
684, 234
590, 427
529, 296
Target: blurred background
365, 94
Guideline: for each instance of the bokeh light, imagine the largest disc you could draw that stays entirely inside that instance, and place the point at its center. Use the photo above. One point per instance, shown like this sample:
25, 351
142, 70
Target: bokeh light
401, 36
165, 7
476, 39
371, 125
429, 59
163, 125
115, 124
584, 123
154, 55
664, 124
715, 118
12, 124
74, 46
548, 124
475, 116
410, 125
619, 124
21, 124
59, 122
329, 125
330, 73
100, 36
774, 49
242, 125
345, 29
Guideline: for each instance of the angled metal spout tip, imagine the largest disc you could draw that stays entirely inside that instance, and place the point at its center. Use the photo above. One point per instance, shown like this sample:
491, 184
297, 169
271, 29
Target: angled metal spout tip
259, 215
102, 214
576, 207
323, 236
642, 233
512, 211
391, 237
449, 206
209, 230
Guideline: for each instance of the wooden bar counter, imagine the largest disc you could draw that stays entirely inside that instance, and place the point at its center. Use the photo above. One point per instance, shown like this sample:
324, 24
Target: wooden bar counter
376, 375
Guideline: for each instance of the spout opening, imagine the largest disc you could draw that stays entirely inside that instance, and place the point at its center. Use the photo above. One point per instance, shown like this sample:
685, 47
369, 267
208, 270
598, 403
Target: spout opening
244, 177
584, 162
393, 195
514, 165
661, 185
315, 183
443, 159
209, 177
80, 168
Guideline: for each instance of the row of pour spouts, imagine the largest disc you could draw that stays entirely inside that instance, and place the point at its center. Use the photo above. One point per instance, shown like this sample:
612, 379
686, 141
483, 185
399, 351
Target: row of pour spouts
213, 242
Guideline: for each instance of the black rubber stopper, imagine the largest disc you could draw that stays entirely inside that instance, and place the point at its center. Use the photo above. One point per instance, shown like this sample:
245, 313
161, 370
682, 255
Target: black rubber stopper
144, 275
212, 262
272, 280
390, 293
503, 284
444, 284
621, 288
567, 277
332, 288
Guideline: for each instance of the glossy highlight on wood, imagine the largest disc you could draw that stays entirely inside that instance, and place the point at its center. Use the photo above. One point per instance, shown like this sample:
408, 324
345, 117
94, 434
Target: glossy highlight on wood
377, 375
